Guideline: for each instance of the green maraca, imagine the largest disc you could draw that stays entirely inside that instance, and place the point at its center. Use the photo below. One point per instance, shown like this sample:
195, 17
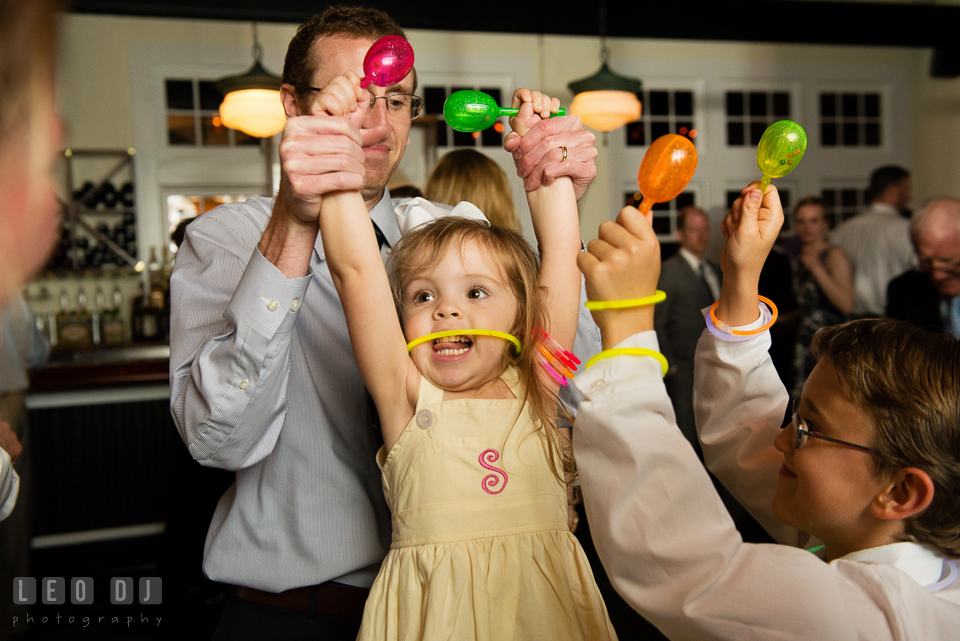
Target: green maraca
780, 150
470, 111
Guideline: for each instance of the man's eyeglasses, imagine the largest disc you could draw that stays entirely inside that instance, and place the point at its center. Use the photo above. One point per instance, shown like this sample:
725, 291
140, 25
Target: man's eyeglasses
949, 265
801, 433
399, 105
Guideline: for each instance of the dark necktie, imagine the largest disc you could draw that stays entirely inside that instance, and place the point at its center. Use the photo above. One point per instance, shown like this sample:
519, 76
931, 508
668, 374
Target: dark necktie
703, 279
381, 239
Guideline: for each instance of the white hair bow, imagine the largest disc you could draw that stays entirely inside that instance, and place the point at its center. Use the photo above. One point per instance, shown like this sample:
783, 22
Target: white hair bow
418, 211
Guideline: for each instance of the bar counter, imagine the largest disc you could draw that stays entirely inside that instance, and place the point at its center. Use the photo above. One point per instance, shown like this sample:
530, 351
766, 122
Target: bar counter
106, 367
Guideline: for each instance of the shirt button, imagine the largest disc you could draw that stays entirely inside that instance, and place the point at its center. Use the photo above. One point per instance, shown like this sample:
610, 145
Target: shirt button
424, 418
295, 305
244, 384
599, 383
272, 305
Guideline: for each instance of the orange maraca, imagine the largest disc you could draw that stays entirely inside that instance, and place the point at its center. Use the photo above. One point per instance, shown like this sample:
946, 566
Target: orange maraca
666, 169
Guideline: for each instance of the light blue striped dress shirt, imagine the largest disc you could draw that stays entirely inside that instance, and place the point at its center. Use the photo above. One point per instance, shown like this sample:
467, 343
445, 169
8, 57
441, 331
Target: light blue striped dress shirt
264, 382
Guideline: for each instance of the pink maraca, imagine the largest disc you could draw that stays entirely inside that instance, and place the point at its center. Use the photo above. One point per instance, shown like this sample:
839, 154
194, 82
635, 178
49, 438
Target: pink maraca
388, 61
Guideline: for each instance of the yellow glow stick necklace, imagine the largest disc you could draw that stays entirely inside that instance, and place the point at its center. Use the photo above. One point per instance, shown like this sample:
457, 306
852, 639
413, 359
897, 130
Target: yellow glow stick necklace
464, 332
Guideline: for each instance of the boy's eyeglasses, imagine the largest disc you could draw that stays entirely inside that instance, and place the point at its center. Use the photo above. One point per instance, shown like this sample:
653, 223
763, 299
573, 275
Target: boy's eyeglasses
802, 432
399, 105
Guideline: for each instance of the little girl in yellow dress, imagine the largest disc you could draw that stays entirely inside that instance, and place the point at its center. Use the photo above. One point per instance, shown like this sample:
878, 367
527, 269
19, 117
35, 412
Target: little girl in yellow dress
473, 461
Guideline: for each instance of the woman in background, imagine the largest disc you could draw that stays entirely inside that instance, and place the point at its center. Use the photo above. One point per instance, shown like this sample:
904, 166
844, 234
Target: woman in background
823, 283
468, 175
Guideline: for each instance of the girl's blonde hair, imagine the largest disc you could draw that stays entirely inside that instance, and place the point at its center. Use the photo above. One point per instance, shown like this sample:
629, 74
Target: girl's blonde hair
424, 248
468, 175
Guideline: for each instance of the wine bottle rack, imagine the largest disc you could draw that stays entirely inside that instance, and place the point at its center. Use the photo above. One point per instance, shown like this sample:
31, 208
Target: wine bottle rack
88, 208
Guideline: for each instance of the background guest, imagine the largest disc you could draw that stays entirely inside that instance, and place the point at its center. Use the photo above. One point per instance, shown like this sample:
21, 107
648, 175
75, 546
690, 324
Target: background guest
930, 297
691, 283
466, 174
877, 240
22, 347
824, 284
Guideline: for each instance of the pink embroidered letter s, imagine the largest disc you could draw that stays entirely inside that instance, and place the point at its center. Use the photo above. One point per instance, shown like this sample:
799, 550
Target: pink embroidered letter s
491, 480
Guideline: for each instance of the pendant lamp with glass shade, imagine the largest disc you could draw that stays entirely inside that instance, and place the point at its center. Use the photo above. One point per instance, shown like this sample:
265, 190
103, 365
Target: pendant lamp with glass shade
606, 100
251, 101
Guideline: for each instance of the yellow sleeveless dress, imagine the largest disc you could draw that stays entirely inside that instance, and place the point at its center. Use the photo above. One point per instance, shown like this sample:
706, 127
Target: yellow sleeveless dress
481, 548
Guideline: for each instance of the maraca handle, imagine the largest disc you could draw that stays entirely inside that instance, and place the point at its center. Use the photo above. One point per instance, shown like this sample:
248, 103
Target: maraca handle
509, 111
644, 208
764, 183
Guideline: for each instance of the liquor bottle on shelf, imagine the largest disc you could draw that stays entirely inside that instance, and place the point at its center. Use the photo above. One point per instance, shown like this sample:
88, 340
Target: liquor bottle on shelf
73, 325
146, 324
96, 315
112, 329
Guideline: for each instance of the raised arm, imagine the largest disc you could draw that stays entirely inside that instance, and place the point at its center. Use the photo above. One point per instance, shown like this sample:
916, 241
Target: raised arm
353, 256
553, 209
236, 291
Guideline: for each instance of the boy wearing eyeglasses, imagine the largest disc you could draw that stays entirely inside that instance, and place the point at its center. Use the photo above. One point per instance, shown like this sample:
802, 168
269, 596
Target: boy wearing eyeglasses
869, 466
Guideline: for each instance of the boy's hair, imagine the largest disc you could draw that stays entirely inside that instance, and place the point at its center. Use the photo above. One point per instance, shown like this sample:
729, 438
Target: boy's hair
424, 248
28, 41
467, 174
907, 380
301, 63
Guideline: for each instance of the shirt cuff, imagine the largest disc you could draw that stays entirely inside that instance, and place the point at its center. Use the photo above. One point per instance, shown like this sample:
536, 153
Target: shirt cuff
265, 299
593, 383
722, 331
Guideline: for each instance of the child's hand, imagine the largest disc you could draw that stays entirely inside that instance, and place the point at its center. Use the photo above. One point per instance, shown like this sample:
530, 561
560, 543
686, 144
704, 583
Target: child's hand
750, 227
343, 97
623, 263
534, 107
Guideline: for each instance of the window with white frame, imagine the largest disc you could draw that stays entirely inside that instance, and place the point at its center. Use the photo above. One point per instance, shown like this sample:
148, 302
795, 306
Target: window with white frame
665, 111
749, 113
193, 118
843, 202
849, 119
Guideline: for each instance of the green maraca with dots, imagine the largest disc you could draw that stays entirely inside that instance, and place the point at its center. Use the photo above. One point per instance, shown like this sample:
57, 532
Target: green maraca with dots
470, 111
780, 150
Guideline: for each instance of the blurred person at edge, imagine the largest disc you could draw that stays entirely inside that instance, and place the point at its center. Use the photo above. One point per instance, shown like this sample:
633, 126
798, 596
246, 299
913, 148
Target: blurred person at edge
930, 296
467, 174
30, 136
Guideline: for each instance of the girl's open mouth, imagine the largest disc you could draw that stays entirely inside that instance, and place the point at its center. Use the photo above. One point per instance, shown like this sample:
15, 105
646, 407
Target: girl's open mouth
452, 345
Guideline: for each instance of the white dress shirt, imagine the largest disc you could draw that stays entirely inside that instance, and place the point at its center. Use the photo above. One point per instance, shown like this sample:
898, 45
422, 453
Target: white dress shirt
673, 552
878, 244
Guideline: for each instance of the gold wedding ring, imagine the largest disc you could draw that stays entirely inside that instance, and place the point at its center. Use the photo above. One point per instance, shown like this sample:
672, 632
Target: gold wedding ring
564, 157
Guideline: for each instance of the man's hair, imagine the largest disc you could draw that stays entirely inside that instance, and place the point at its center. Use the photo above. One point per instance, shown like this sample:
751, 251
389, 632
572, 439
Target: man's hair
300, 64
907, 381
28, 38
919, 219
467, 174
684, 212
884, 178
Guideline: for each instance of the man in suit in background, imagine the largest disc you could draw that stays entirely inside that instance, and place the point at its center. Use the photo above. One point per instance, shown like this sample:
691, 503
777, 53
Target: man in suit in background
691, 283
930, 297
